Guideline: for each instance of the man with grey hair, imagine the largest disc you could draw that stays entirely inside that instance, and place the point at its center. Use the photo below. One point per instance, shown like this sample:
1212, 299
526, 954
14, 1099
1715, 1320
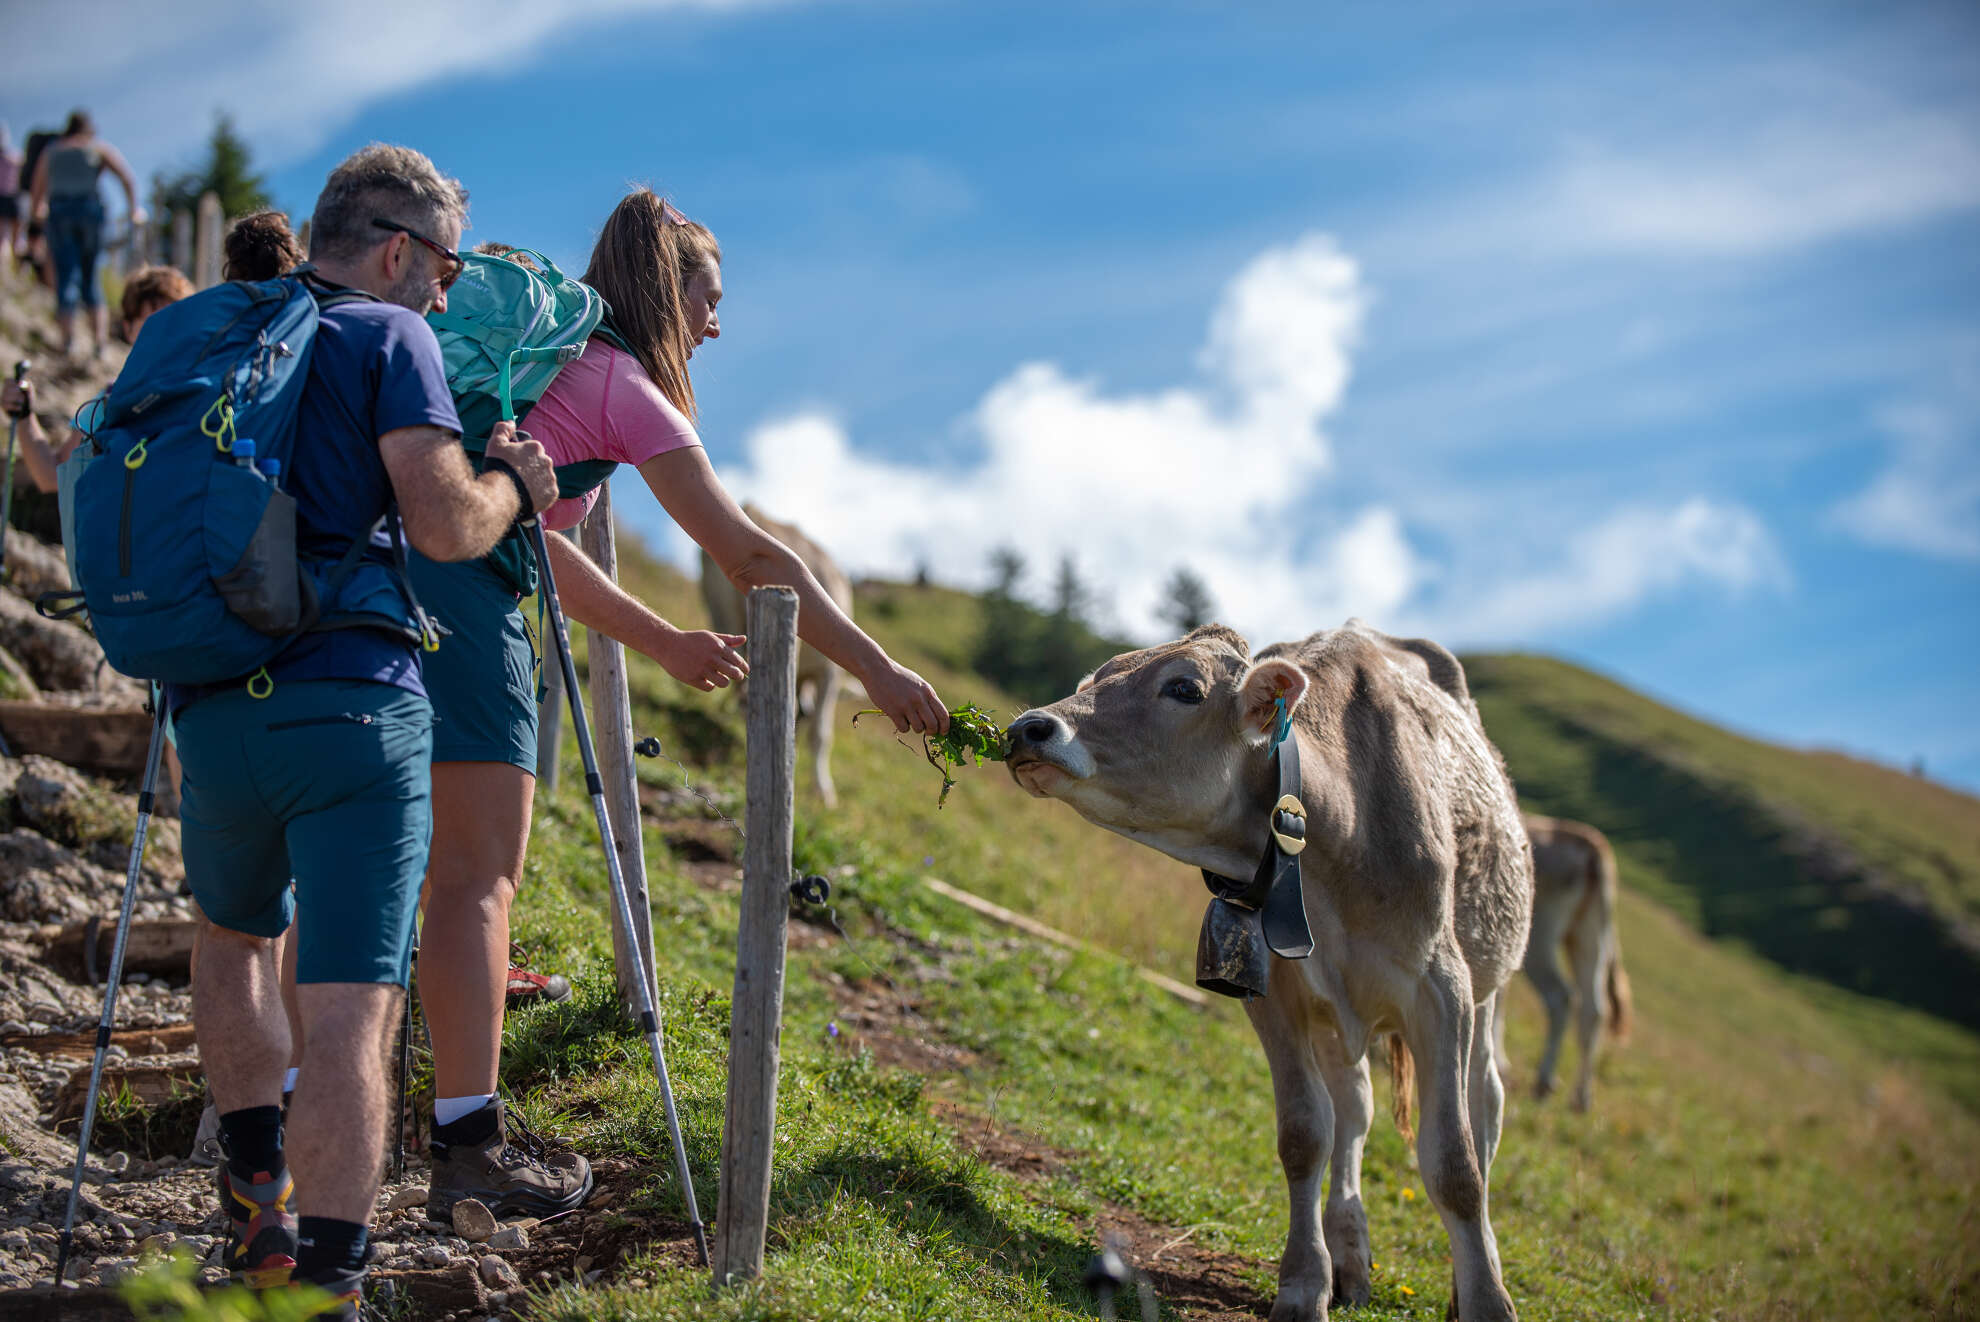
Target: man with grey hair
316, 768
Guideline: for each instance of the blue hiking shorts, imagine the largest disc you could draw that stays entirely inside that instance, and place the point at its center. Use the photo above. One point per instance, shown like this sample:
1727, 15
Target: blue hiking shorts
75, 242
483, 678
328, 782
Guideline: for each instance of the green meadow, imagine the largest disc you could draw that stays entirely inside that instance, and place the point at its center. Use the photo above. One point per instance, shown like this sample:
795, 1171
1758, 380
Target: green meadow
965, 1109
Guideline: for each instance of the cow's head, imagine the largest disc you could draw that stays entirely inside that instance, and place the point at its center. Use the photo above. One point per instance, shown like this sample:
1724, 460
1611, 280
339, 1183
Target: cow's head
1168, 746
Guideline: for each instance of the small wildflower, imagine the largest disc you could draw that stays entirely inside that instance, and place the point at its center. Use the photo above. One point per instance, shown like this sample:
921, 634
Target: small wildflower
1409, 1193
1405, 1289
832, 1029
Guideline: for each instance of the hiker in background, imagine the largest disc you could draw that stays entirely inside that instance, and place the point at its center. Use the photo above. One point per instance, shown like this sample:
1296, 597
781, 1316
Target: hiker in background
64, 191
321, 775
148, 289
661, 275
259, 247
12, 238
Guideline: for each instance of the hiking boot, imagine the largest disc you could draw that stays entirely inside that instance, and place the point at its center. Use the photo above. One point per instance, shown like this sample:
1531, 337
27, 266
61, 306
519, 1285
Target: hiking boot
346, 1291
525, 985
494, 1158
261, 1226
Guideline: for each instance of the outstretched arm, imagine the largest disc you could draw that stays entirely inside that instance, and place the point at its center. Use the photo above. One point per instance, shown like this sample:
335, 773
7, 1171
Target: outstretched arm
686, 486
113, 160
697, 657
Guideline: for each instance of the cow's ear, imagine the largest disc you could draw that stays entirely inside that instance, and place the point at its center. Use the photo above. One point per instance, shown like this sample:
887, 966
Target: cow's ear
1086, 682
1259, 694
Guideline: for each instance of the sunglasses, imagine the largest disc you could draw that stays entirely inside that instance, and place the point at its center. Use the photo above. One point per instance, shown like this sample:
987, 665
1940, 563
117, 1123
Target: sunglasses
455, 263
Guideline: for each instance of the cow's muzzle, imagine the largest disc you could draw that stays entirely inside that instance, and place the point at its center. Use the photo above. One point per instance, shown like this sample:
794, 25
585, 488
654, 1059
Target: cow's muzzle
1042, 750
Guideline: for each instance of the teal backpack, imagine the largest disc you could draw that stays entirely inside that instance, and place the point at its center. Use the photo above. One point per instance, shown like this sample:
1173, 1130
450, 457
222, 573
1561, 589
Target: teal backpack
507, 331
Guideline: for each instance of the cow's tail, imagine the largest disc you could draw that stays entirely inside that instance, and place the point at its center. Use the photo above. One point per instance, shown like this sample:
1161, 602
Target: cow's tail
1622, 1012
1402, 1087
1621, 1009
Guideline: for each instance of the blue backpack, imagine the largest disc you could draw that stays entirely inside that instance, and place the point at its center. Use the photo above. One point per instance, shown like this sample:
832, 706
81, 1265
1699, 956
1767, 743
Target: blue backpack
184, 541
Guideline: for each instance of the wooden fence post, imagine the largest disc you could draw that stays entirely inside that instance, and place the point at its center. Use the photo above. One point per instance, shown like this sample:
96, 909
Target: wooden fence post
749, 1130
206, 256
550, 718
611, 731
182, 241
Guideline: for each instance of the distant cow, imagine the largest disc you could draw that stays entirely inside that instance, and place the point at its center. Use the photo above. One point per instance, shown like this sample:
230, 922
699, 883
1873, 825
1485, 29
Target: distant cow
1417, 882
818, 679
1574, 906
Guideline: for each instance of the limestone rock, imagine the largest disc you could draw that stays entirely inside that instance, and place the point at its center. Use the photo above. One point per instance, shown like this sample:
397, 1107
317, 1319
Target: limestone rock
66, 806
42, 882
57, 653
410, 1196
15, 681
33, 566
498, 1274
473, 1221
509, 1237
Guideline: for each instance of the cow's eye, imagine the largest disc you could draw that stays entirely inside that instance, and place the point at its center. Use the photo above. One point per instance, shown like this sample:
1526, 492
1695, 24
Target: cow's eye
1183, 689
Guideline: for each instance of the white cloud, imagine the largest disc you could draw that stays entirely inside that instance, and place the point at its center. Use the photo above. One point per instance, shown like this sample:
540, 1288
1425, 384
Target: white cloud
1856, 168
1227, 476
1219, 475
1607, 568
1928, 499
292, 74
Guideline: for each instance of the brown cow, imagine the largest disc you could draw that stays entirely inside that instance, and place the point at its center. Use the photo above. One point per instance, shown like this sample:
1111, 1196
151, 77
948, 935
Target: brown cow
819, 680
1417, 882
1574, 906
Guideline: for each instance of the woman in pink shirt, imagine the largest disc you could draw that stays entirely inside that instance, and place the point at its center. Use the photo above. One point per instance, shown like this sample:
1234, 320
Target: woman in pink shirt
661, 274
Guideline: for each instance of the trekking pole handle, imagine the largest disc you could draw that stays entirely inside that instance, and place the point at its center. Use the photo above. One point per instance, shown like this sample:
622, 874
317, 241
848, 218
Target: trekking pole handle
20, 375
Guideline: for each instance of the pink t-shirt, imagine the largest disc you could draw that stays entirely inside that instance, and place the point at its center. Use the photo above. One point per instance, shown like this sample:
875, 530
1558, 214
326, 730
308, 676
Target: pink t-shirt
604, 406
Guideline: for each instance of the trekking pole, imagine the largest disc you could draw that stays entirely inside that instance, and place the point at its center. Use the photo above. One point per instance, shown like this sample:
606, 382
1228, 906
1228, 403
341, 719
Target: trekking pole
405, 1064
649, 1022
7, 486
151, 760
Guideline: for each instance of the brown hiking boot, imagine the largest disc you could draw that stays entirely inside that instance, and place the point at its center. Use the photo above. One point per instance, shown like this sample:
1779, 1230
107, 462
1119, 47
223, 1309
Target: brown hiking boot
493, 1157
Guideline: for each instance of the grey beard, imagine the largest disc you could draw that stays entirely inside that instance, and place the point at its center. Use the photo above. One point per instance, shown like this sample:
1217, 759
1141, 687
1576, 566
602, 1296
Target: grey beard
414, 289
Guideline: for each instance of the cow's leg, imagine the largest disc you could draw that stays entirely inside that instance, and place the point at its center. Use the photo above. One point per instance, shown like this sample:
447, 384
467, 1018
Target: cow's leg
1499, 1039
1345, 1221
1487, 1096
1589, 953
1442, 1036
819, 736
1306, 1122
1543, 966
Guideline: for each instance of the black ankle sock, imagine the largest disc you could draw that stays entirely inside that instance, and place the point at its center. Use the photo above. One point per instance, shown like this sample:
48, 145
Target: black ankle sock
253, 1139
472, 1128
325, 1246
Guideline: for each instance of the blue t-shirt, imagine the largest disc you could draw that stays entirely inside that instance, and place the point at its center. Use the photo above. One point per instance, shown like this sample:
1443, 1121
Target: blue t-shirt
374, 367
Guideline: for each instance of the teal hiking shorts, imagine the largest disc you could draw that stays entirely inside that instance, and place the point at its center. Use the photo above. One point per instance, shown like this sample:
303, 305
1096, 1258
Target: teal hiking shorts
327, 782
482, 680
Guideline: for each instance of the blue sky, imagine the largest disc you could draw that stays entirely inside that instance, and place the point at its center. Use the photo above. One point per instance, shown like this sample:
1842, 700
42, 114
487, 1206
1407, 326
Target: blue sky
1644, 334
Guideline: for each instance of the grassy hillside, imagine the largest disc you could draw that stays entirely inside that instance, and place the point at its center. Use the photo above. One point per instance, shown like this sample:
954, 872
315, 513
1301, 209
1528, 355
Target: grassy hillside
1833, 867
964, 1108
